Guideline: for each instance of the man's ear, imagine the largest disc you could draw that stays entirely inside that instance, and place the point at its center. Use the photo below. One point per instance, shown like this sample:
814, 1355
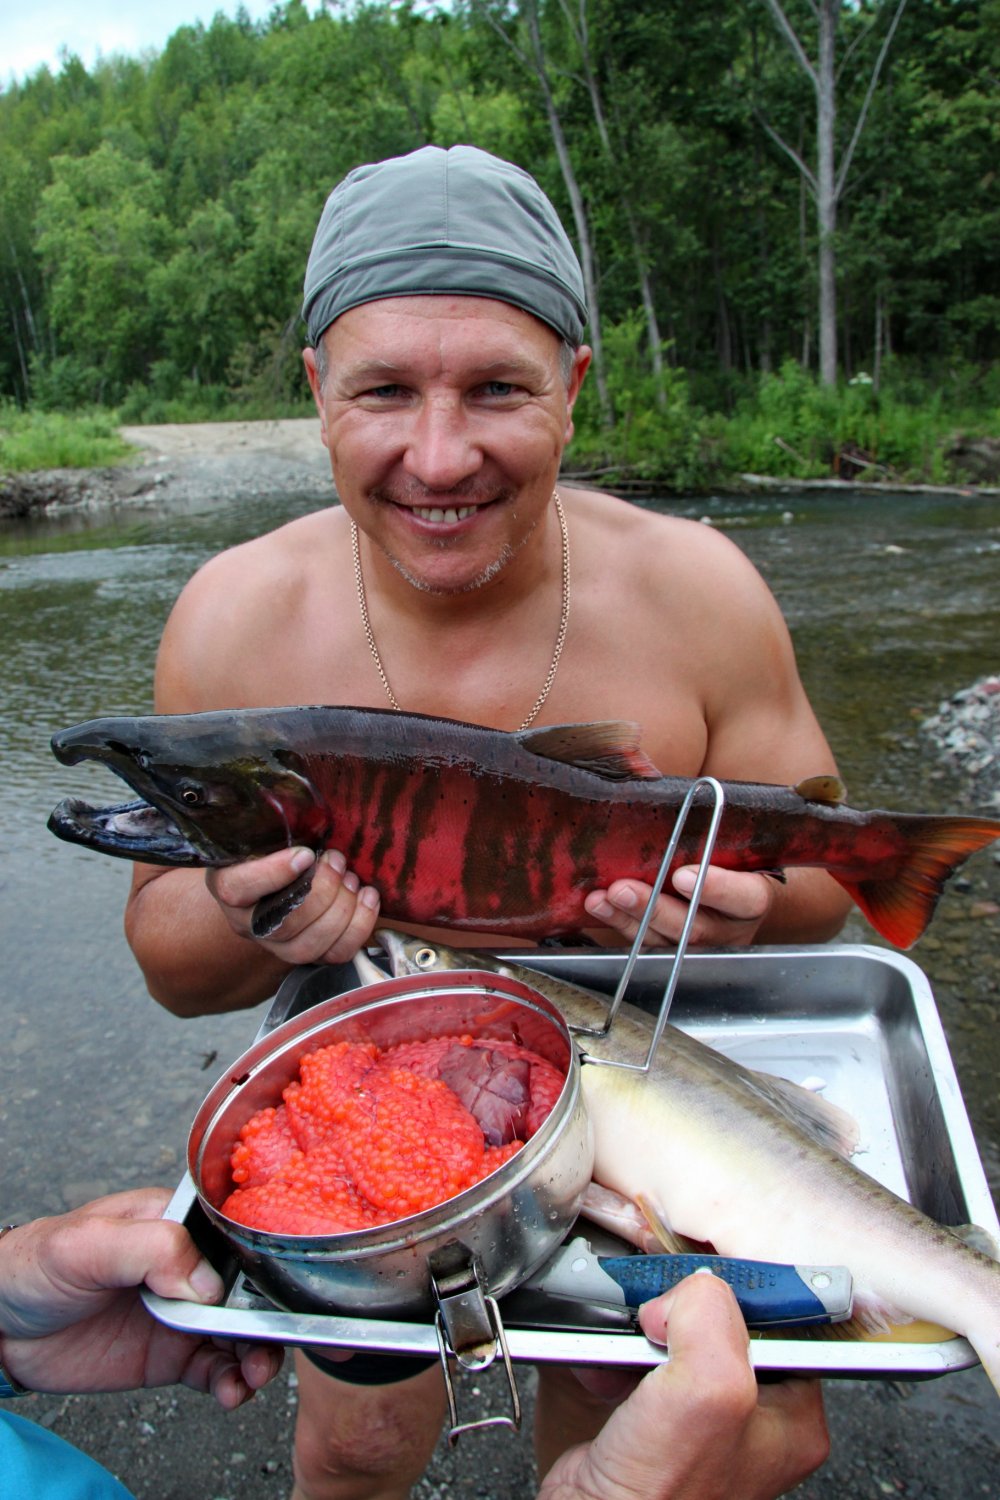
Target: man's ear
312, 374
581, 364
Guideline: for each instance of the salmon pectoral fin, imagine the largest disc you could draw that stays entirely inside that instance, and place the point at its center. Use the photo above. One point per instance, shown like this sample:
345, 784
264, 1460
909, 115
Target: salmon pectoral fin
901, 906
818, 1118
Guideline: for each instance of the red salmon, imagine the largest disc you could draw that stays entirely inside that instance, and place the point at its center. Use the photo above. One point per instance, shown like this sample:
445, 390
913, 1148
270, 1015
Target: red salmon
469, 828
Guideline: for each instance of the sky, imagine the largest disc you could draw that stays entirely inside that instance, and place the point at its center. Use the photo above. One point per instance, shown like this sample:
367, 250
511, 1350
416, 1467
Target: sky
33, 32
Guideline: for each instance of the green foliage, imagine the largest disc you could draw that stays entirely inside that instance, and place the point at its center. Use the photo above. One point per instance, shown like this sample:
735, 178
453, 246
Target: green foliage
101, 238
790, 425
156, 215
55, 440
657, 434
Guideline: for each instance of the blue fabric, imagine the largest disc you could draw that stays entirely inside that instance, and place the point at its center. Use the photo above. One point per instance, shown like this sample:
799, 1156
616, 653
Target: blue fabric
37, 1465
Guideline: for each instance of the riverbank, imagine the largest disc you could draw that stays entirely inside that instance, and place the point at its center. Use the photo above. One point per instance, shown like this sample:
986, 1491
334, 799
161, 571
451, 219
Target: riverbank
182, 462
224, 460
965, 732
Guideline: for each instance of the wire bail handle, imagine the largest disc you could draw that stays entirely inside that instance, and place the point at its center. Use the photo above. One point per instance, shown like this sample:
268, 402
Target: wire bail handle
719, 803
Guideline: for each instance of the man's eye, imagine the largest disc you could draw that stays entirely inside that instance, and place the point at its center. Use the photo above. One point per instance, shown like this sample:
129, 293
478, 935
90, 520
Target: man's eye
499, 388
383, 392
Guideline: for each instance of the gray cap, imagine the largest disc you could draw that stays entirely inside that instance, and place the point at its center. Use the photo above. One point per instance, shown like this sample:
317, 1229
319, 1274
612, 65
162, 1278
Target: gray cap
459, 221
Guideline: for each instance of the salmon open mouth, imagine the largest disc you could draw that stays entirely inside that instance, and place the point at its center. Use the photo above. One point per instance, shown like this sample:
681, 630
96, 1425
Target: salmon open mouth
131, 830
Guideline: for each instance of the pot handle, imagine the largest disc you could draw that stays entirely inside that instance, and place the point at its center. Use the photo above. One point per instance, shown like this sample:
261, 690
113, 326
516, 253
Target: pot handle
470, 1329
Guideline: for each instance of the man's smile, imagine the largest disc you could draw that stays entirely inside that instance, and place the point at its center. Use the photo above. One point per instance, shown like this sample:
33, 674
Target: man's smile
451, 515
444, 511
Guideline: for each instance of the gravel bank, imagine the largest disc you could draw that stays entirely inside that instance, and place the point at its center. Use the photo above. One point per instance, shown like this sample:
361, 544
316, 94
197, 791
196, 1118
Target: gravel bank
184, 461
965, 732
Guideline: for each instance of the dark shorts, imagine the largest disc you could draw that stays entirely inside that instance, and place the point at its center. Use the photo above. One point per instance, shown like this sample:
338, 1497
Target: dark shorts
372, 1369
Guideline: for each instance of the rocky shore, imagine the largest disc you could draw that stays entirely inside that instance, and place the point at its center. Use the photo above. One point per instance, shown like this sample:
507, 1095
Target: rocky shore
183, 461
965, 732
47, 491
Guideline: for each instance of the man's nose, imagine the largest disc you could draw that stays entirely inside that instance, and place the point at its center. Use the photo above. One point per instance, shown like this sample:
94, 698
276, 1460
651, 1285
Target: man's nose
441, 445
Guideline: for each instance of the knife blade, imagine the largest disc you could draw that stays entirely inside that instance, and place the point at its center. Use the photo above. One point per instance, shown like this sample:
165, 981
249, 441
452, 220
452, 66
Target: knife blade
769, 1294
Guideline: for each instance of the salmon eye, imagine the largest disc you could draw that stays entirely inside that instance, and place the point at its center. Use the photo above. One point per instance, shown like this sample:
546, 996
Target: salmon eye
424, 958
191, 795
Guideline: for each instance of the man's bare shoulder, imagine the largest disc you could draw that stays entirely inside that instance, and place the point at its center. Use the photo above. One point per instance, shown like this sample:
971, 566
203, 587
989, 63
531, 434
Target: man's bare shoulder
282, 558
654, 544
248, 601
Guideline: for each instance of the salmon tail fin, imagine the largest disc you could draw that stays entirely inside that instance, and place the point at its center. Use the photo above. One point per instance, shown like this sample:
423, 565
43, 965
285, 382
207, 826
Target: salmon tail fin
901, 906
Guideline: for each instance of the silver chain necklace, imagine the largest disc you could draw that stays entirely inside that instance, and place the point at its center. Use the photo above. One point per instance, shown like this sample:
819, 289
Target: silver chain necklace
560, 637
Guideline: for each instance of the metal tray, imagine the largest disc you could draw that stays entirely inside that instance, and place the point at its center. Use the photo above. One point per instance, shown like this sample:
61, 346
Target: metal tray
861, 1019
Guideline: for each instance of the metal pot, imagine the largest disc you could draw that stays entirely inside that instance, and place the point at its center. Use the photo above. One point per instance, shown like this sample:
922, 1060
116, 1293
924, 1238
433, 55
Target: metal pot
502, 1228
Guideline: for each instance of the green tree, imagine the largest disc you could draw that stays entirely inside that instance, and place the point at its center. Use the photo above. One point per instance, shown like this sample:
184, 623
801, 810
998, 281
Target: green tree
827, 176
101, 236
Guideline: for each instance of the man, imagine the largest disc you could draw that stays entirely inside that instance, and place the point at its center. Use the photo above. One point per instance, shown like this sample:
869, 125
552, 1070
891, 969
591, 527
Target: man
445, 314
71, 1320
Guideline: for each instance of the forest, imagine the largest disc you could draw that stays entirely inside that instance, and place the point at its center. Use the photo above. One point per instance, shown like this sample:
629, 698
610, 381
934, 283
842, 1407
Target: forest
787, 212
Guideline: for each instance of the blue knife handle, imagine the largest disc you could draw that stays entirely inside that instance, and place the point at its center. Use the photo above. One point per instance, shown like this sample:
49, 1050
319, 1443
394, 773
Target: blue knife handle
768, 1294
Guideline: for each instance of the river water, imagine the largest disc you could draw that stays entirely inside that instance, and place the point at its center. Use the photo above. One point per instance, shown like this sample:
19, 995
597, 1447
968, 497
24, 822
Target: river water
893, 604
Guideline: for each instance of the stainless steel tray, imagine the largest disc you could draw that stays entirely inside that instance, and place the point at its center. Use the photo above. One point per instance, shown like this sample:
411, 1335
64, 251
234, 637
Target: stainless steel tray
861, 1019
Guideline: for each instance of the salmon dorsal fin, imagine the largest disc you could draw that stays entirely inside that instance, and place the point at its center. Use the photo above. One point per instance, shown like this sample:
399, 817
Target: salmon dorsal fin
609, 749
828, 789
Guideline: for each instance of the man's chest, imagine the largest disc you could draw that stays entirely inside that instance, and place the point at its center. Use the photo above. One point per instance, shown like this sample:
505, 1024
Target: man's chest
316, 664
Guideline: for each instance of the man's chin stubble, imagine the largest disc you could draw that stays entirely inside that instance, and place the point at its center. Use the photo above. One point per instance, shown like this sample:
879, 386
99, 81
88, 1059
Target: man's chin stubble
480, 581
493, 570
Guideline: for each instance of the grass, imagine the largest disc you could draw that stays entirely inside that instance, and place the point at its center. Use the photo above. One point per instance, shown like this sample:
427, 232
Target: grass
31, 440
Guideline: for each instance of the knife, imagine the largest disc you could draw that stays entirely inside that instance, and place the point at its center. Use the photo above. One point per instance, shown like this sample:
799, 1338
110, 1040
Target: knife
769, 1295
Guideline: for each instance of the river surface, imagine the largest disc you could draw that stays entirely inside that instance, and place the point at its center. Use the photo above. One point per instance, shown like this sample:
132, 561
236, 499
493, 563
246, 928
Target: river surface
893, 603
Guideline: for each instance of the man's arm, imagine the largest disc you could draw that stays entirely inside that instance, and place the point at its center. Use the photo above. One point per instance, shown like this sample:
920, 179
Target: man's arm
760, 727
190, 929
699, 1427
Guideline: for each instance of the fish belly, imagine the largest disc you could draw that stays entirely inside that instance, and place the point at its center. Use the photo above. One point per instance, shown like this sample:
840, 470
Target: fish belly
718, 1171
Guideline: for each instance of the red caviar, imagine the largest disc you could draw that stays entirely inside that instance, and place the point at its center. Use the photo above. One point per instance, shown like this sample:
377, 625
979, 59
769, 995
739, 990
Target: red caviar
365, 1137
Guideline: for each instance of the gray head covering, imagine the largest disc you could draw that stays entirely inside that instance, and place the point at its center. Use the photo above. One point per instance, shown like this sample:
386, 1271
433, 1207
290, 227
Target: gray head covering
458, 221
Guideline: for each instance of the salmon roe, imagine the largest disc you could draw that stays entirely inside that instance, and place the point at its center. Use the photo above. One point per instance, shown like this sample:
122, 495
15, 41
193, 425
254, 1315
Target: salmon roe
364, 1137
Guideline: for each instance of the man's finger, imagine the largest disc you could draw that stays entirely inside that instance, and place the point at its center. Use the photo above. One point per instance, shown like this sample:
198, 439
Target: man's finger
703, 1328
244, 884
94, 1253
136, 1203
740, 895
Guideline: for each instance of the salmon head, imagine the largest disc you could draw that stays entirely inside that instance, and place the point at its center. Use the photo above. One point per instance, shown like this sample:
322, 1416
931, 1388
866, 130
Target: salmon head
209, 792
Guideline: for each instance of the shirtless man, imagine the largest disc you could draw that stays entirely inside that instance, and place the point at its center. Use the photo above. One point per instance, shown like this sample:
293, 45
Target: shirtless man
445, 314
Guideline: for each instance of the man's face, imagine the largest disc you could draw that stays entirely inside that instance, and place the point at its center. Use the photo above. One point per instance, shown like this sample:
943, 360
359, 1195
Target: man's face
445, 418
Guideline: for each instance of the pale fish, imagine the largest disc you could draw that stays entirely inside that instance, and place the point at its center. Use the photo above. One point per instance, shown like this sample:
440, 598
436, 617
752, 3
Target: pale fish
730, 1157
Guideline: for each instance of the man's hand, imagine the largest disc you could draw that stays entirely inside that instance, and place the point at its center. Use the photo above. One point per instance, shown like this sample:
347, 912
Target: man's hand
734, 904
335, 918
699, 1427
71, 1318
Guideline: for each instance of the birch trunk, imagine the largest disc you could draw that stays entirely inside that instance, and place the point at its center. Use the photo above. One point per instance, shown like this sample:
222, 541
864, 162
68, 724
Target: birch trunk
826, 189
581, 35
537, 64
826, 184
583, 236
